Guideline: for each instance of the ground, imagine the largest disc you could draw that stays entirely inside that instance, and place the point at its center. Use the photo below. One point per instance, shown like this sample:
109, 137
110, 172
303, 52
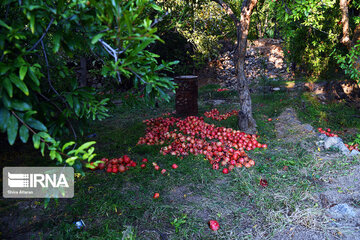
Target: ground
306, 184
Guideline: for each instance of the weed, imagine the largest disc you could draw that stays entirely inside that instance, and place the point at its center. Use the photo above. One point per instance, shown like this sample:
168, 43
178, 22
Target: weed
177, 222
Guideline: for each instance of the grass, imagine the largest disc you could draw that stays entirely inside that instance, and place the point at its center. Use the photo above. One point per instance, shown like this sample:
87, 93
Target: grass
117, 205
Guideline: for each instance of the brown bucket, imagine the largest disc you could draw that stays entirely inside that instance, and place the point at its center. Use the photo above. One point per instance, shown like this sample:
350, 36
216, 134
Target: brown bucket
186, 96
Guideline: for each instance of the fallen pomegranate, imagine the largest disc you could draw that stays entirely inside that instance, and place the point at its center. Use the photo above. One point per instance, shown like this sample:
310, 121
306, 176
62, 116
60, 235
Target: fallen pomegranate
214, 225
156, 195
352, 147
263, 183
101, 166
222, 89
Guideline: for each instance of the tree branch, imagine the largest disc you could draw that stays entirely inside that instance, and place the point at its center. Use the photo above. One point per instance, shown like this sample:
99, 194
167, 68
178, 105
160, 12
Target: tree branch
232, 15
48, 70
57, 107
42, 36
287, 10
316, 29
159, 19
113, 52
32, 130
227, 9
137, 75
344, 7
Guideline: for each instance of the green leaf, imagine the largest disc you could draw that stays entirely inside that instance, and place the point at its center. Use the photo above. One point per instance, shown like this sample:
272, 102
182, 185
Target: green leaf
66, 145
58, 157
42, 148
52, 154
36, 141
44, 135
32, 23
78, 167
33, 123
91, 157
8, 86
69, 99
71, 160
19, 84
77, 107
28, 114
156, 7
57, 38
97, 38
46, 202
22, 72
4, 117
20, 106
148, 88
6, 101
12, 129
141, 47
4, 68
84, 146
33, 76
24, 134
2, 23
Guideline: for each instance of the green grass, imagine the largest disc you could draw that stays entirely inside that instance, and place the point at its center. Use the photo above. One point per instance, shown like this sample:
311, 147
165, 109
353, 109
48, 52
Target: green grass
333, 115
113, 205
209, 92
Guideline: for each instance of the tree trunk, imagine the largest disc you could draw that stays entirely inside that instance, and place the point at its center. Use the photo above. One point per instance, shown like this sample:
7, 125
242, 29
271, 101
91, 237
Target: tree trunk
83, 72
356, 40
344, 7
246, 121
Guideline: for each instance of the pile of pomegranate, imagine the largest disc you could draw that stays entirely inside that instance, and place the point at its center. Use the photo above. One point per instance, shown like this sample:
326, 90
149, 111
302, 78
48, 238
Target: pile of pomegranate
116, 165
222, 147
329, 134
214, 114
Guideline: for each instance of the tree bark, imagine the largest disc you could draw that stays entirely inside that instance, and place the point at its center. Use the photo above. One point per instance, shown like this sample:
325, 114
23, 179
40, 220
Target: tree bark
246, 121
356, 40
344, 7
83, 72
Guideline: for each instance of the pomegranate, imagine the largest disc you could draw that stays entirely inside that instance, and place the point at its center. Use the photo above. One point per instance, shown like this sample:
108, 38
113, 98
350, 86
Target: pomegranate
214, 225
